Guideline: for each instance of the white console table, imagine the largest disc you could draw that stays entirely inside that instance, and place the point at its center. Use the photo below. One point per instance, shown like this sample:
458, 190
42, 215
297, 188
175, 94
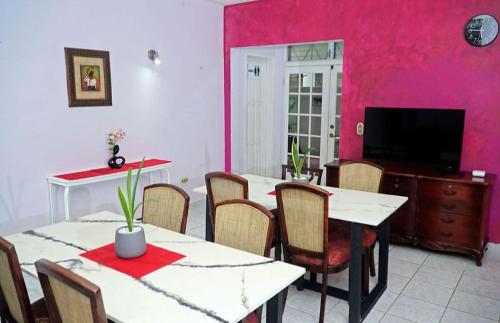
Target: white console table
101, 175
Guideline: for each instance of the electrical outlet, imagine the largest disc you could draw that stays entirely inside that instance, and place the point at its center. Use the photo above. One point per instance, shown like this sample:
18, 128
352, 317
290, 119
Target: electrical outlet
360, 128
184, 180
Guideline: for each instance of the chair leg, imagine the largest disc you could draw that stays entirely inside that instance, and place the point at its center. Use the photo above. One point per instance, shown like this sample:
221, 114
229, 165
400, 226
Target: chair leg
365, 284
372, 261
324, 286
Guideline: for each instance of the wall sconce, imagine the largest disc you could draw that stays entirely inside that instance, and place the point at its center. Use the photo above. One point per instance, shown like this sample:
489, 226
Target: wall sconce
154, 56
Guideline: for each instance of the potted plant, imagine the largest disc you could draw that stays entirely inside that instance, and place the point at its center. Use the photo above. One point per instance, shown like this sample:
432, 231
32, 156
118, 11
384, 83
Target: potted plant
130, 241
298, 162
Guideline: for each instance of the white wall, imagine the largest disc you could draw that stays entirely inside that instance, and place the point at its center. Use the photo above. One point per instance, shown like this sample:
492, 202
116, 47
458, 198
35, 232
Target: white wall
238, 104
172, 111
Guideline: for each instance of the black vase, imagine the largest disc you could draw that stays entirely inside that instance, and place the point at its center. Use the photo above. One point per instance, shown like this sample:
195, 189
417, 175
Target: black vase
116, 162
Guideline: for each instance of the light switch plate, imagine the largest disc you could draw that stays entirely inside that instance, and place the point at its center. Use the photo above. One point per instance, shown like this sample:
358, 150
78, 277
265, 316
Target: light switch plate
360, 128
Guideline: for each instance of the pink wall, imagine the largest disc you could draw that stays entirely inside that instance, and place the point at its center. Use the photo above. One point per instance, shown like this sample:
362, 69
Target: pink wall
397, 53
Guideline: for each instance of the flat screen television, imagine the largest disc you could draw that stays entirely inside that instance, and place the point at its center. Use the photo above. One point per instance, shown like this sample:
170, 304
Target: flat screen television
431, 137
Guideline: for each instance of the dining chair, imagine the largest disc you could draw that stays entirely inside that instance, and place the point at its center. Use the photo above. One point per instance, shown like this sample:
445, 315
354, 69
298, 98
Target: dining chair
15, 305
70, 298
306, 239
247, 226
222, 187
311, 172
166, 206
361, 176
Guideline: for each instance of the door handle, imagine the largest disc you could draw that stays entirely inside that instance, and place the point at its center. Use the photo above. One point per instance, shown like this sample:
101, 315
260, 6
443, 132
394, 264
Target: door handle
447, 221
448, 206
332, 135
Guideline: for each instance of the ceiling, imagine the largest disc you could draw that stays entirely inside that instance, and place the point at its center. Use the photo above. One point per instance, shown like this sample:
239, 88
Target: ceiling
229, 2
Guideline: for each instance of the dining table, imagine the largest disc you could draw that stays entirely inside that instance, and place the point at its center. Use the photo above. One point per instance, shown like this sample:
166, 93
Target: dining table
205, 282
360, 209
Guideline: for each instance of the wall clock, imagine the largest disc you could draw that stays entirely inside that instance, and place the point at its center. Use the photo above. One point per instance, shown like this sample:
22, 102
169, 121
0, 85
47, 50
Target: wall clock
481, 30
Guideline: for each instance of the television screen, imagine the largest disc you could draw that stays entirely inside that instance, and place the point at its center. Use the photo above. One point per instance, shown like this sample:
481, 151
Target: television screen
418, 136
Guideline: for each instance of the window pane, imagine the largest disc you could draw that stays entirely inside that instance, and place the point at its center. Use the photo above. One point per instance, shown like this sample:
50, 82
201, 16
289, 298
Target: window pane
304, 104
292, 124
314, 163
317, 102
292, 103
318, 83
294, 83
304, 125
315, 146
308, 52
337, 127
339, 50
303, 144
339, 83
316, 126
305, 82
290, 140
336, 149
339, 104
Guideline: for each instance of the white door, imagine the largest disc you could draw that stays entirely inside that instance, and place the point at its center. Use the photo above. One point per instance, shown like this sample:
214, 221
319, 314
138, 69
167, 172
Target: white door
311, 109
259, 117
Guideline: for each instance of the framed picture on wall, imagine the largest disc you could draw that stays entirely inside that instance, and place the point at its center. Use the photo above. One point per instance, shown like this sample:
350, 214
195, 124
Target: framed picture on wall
88, 76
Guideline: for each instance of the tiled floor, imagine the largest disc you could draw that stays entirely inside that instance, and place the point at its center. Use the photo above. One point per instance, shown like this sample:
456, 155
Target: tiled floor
423, 287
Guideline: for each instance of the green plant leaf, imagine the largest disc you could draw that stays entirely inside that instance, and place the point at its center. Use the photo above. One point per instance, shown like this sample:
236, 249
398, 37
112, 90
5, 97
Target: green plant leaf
129, 191
123, 202
135, 186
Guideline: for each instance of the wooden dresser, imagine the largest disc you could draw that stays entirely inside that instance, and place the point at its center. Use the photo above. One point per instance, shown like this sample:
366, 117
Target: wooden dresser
446, 212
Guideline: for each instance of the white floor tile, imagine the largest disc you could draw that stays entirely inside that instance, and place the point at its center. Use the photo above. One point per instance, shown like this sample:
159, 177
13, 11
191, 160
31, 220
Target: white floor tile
396, 283
428, 293
374, 316
476, 305
490, 270
479, 287
437, 276
416, 310
292, 315
339, 312
309, 301
389, 318
385, 301
449, 262
411, 254
402, 267
453, 316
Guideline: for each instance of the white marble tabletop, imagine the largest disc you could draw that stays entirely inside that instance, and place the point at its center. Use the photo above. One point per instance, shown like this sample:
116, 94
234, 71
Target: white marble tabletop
213, 283
348, 205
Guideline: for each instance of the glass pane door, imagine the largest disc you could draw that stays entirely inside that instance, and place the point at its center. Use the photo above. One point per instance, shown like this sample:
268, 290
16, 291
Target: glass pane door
307, 112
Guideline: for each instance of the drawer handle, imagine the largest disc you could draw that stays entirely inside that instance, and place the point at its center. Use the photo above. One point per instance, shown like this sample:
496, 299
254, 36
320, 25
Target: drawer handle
448, 206
449, 193
396, 185
445, 234
447, 221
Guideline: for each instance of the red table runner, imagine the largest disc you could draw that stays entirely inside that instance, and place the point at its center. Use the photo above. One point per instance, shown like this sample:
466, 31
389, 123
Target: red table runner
273, 193
107, 171
154, 259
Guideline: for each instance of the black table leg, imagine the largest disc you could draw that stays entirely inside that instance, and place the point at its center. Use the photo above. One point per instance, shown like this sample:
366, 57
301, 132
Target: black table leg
209, 234
383, 252
274, 309
355, 273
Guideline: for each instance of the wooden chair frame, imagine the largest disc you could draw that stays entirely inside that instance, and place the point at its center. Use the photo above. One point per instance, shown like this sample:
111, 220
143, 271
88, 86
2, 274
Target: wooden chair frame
48, 269
180, 191
228, 176
19, 284
305, 170
289, 250
270, 229
370, 257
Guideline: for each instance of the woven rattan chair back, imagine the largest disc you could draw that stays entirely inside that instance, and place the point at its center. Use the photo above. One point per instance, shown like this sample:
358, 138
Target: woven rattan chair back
360, 176
303, 216
70, 298
222, 187
244, 225
166, 206
13, 293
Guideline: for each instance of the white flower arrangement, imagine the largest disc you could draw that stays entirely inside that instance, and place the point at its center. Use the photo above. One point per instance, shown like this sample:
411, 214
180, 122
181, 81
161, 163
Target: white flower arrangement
114, 137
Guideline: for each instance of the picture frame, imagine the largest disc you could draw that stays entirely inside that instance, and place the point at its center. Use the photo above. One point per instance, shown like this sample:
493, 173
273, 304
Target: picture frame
88, 76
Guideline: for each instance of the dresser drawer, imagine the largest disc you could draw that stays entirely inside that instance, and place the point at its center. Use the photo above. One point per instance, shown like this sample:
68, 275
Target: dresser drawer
450, 228
450, 190
399, 185
450, 205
